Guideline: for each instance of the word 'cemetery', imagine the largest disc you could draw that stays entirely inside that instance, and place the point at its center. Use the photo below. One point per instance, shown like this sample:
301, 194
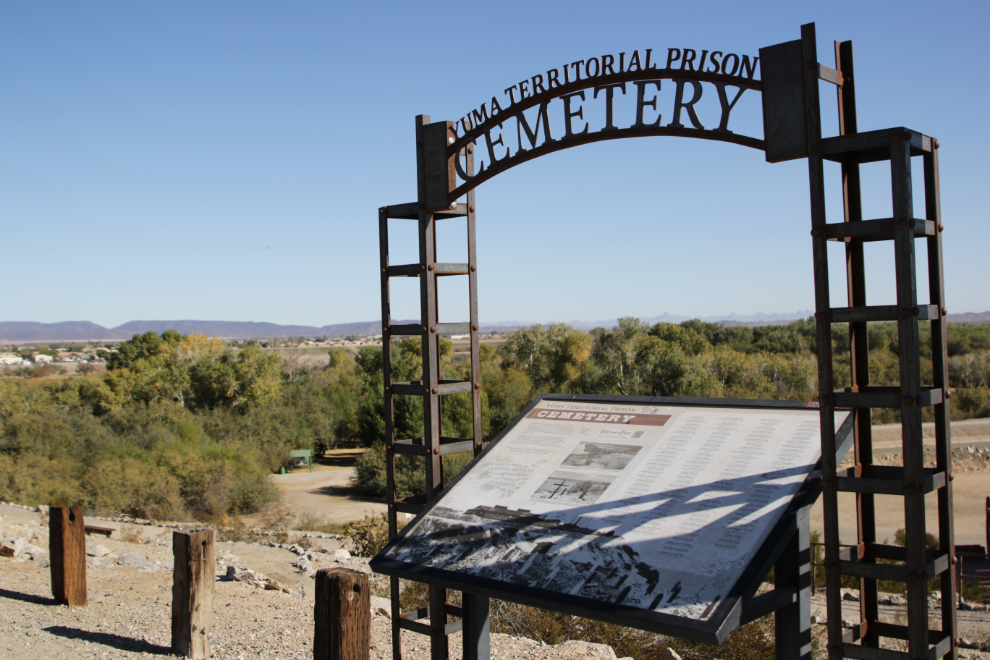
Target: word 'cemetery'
686, 68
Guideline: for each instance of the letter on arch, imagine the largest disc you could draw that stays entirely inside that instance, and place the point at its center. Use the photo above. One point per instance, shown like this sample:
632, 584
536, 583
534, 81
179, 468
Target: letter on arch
522, 124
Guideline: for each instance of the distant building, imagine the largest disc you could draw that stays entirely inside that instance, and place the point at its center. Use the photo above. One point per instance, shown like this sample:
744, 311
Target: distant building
10, 358
41, 357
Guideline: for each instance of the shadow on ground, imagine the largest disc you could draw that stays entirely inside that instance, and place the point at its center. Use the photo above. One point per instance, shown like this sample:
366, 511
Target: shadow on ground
107, 639
27, 598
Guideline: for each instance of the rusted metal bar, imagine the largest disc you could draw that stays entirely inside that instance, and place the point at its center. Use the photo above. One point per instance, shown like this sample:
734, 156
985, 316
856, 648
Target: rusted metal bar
940, 374
472, 249
873, 146
858, 314
886, 397
823, 335
431, 369
388, 413
881, 229
910, 376
453, 328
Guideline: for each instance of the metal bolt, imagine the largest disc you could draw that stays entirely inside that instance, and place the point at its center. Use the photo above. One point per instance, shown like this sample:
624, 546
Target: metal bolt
475, 327
385, 329
386, 388
453, 205
948, 394
470, 148
450, 140
433, 328
426, 390
422, 267
436, 451
424, 329
430, 268
817, 232
434, 390
952, 477
477, 386
944, 311
935, 142
941, 227
955, 560
471, 208
474, 268
383, 270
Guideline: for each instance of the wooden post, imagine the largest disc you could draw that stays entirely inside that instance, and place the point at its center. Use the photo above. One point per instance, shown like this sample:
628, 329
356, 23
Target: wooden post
193, 578
67, 550
343, 615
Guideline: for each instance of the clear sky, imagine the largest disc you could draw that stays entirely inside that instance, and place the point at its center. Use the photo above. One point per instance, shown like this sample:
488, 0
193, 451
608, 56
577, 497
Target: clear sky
225, 160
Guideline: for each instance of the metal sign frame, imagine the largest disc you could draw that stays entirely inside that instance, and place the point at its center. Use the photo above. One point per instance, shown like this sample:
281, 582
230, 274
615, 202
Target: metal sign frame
789, 85
739, 606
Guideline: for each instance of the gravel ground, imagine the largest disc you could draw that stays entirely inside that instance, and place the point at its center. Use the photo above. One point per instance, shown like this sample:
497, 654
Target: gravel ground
129, 609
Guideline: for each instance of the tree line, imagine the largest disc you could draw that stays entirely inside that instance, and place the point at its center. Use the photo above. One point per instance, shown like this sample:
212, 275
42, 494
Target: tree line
189, 426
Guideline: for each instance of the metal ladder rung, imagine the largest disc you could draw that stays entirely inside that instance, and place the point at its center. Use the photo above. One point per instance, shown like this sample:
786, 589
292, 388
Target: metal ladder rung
410, 211
888, 485
872, 571
873, 146
882, 313
881, 229
405, 329
884, 397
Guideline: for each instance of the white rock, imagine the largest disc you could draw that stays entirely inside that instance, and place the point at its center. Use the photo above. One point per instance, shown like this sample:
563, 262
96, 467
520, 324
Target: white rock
98, 551
255, 579
42, 508
670, 654
340, 554
576, 649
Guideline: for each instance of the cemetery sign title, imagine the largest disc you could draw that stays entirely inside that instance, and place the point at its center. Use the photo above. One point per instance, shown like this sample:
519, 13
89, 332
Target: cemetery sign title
608, 76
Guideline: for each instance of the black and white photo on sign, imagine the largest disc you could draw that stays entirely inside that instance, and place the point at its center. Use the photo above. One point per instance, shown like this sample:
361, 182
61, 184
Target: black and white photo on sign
601, 456
572, 488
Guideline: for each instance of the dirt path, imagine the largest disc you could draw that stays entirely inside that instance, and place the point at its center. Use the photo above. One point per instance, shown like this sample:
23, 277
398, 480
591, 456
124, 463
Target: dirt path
324, 492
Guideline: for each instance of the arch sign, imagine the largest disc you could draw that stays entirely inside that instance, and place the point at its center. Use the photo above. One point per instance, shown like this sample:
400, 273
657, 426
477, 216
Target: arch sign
549, 111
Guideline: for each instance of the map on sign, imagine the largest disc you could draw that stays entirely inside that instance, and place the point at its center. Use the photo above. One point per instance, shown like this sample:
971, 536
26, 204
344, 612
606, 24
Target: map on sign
658, 508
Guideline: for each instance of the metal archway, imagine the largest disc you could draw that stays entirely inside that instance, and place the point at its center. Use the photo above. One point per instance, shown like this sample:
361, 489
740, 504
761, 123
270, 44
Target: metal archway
788, 82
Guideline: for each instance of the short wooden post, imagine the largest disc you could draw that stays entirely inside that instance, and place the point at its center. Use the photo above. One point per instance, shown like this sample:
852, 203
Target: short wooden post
343, 615
67, 553
193, 578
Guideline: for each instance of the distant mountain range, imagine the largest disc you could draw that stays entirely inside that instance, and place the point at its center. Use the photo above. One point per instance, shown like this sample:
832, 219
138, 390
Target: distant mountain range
17, 331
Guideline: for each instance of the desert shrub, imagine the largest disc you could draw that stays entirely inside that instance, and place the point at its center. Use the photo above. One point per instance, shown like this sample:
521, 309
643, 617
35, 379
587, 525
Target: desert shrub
136, 487
370, 535
34, 480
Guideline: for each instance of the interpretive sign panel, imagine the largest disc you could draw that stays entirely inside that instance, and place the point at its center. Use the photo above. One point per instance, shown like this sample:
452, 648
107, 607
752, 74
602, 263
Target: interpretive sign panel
649, 508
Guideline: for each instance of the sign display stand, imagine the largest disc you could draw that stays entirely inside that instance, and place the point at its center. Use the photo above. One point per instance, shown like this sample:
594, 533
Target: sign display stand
454, 157
656, 513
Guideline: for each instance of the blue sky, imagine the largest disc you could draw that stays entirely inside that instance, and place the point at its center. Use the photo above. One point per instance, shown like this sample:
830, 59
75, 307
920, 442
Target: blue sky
225, 160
